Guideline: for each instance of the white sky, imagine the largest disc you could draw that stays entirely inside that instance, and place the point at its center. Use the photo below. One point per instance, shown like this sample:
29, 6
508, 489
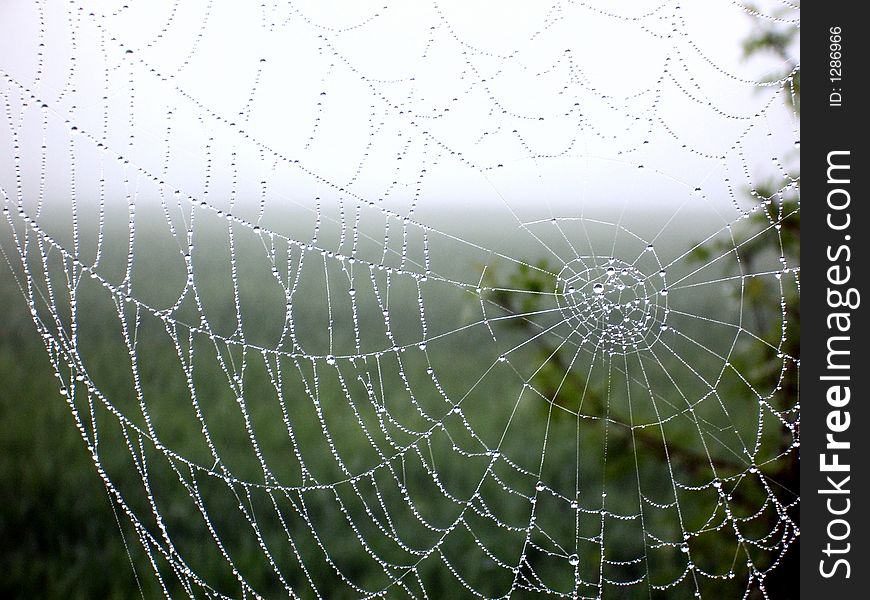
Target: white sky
571, 101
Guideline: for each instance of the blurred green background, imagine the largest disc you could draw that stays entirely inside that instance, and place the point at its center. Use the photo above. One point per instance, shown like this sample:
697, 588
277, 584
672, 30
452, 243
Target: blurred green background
63, 540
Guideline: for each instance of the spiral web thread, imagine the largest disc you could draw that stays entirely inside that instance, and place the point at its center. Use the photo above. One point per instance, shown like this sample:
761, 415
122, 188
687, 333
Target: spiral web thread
286, 407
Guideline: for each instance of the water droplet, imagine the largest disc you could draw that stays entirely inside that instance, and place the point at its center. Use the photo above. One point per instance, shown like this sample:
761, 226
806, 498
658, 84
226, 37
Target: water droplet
330, 359
598, 288
664, 292
573, 560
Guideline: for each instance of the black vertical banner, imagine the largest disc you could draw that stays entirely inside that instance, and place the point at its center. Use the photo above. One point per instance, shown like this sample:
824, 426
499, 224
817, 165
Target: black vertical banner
835, 442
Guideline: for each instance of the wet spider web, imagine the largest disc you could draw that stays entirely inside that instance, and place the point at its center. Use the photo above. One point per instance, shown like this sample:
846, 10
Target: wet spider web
305, 363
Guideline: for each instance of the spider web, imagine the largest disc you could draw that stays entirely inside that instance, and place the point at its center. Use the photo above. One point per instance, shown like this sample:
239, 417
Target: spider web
432, 301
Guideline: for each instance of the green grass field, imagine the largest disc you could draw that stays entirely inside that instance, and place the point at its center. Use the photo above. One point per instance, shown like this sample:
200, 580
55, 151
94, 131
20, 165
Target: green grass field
602, 419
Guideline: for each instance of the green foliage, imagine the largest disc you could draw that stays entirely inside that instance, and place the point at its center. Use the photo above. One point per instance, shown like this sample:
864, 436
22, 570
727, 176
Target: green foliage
777, 39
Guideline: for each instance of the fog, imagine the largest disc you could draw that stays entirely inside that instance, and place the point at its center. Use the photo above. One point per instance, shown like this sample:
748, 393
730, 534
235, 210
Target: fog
492, 110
